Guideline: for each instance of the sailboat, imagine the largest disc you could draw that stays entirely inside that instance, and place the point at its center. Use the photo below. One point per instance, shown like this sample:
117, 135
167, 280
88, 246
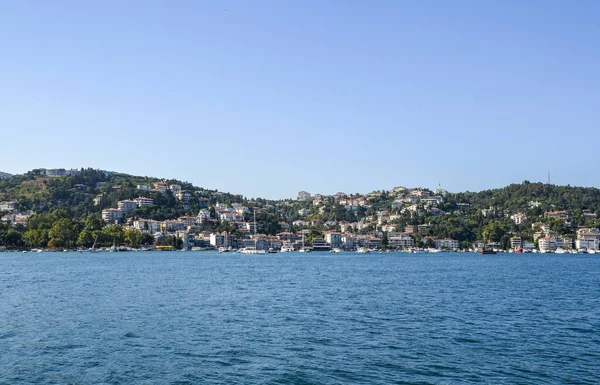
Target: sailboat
224, 249
304, 249
253, 249
93, 249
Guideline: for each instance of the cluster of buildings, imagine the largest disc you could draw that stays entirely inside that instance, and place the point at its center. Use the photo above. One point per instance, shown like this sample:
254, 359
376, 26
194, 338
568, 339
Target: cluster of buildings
115, 215
12, 215
124, 207
61, 172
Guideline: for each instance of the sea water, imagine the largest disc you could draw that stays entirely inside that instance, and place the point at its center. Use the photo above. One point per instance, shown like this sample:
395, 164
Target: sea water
291, 318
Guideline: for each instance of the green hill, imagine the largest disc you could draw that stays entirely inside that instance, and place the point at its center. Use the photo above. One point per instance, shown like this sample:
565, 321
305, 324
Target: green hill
467, 216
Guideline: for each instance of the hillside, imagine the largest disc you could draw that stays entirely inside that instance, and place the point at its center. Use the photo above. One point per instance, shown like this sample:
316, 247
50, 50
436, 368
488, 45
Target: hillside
4, 175
489, 216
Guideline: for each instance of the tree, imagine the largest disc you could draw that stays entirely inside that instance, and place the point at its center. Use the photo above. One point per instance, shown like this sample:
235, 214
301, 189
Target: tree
93, 223
63, 233
384, 240
133, 237
86, 238
112, 234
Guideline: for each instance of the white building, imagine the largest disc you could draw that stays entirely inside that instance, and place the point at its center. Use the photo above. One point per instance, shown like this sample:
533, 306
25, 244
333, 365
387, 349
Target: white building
160, 187
98, 199
127, 206
588, 238
303, 212
172, 225
388, 228
549, 243
448, 244
401, 242
230, 216
350, 242
518, 218
187, 220
144, 187
112, 215
141, 201
303, 196
184, 196
175, 188
334, 239
8, 206
515, 243
147, 225
203, 214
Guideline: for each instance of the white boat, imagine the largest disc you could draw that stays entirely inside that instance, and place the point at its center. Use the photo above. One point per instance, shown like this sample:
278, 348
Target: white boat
286, 249
113, 248
591, 251
363, 250
251, 250
560, 250
335, 250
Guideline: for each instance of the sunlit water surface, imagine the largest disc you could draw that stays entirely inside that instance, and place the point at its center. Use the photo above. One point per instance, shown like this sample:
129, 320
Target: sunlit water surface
205, 318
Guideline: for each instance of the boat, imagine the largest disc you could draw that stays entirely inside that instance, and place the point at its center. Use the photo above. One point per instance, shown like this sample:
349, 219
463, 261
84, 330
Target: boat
487, 250
560, 250
591, 251
272, 251
335, 250
93, 249
224, 248
304, 249
286, 248
113, 248
252, 249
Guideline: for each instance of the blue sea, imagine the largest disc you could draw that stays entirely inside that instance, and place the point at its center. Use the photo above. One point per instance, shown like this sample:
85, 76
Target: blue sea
318, 318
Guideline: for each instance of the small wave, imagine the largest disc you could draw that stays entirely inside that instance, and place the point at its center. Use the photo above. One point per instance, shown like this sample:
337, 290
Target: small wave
466, 340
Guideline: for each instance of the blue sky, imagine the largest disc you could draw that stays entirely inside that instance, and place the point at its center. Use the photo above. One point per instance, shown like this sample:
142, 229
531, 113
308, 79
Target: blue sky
266, 98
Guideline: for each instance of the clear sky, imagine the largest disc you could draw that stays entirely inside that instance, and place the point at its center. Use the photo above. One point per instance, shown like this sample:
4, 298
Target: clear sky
266, 98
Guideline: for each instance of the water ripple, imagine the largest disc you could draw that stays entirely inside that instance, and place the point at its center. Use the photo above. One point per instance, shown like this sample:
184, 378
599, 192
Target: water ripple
188, 318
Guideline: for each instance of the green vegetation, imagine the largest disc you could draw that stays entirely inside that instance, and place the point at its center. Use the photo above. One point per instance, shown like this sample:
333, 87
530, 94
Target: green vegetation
64, 214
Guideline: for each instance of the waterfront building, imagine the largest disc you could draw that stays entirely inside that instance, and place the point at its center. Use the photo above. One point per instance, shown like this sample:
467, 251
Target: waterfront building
333, 238
402, 241
447, 244
515, 243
